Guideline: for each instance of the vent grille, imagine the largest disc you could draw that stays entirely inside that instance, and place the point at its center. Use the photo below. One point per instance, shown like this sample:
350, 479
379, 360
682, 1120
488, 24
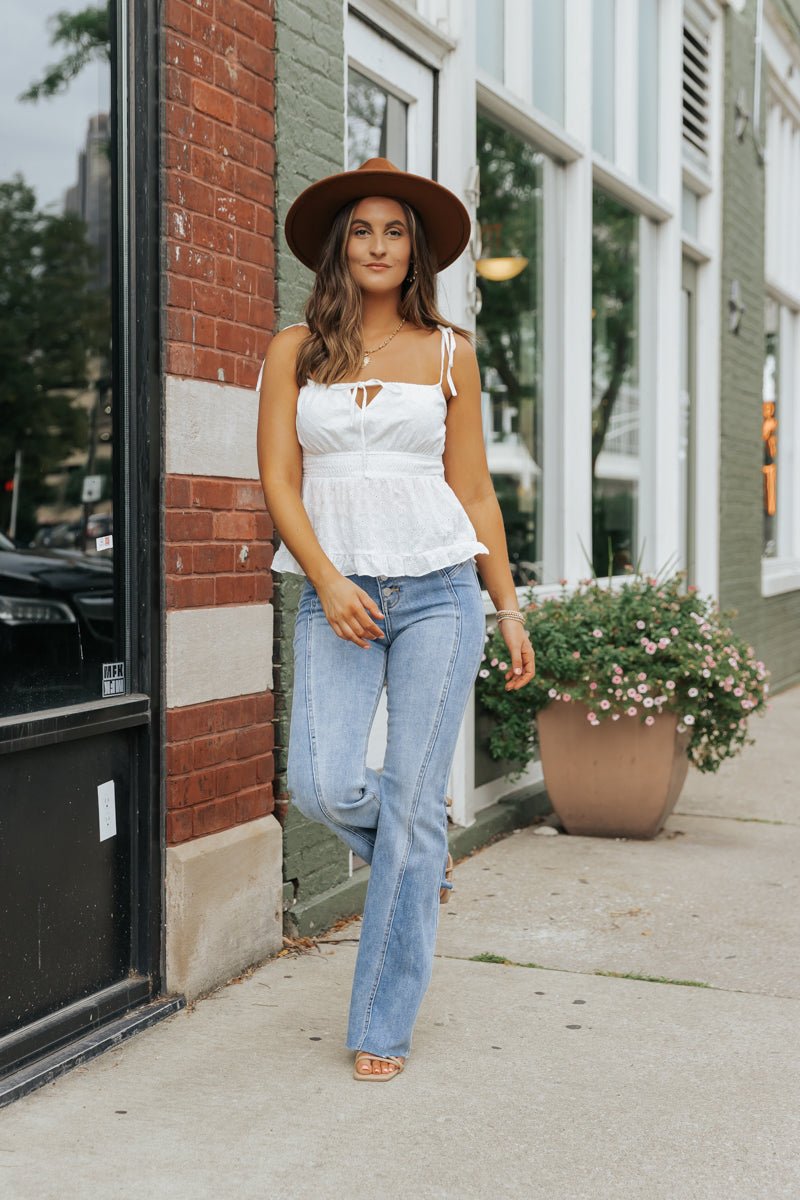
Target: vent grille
695, 88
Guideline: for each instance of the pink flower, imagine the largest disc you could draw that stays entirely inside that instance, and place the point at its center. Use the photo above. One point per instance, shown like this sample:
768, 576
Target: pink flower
494, 662
616, 679
631, 711
674, 632
648, 701
689, 719
640, 625
737, 691
693, 692
649, 720
670, 684
598, 633
502, 666
591, 716
605, 704
642, 687
641, 676
663, 642
615, 716
651, 648
552, 693
592, 687
566, 696
576, 653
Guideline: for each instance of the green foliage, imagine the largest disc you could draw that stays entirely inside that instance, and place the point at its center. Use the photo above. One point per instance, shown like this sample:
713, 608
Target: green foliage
86, 36
52, 320
629, 652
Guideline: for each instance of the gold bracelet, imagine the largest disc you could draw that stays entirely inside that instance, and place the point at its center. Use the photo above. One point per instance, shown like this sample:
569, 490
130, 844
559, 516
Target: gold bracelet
509, 614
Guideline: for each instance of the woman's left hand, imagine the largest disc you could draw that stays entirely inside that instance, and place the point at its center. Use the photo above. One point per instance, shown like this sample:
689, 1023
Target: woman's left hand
515, 636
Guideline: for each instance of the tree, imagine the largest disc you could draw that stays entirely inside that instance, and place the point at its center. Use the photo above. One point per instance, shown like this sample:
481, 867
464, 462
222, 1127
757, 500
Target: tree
52, 322
86, 36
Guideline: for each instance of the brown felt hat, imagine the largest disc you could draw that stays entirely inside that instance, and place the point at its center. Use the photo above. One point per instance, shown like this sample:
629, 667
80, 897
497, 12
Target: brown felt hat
444, 217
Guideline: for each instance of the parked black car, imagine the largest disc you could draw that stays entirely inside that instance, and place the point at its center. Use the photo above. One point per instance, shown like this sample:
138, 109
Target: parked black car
56, 627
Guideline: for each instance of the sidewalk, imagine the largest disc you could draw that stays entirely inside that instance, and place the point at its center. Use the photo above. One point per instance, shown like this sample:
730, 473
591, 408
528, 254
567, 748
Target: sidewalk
539, 1077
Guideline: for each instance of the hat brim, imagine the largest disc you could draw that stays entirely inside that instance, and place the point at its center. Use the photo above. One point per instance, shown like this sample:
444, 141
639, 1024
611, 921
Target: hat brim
309, 219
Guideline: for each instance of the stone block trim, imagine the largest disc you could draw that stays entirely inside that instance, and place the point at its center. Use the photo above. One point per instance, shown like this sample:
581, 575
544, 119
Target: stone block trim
219, 199
218, 546
219, 764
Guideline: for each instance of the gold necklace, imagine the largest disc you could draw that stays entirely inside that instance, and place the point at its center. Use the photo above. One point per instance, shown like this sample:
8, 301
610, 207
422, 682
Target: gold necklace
369, 353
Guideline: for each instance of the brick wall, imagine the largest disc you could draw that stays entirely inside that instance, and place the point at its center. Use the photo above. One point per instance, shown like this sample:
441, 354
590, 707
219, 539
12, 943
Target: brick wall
218, 159
310, 140
769, 623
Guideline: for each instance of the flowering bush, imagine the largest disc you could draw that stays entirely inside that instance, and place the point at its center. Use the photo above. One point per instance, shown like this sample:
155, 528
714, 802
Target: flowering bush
635, 651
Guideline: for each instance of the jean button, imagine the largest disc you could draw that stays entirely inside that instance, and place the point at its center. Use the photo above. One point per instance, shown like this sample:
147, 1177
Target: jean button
387, 591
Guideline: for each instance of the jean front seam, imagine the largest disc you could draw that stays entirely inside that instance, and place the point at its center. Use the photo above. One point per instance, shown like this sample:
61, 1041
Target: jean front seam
352, 829
412, 814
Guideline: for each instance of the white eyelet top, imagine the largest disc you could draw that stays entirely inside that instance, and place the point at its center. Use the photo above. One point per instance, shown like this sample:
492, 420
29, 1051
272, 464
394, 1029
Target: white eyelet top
373, 477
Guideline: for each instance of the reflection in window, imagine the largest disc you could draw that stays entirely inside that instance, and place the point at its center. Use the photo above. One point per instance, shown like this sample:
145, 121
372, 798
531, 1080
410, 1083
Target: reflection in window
603, 76
509, 336
376, 122
769, 428
615, 385
56, 455
548, 58
490, 37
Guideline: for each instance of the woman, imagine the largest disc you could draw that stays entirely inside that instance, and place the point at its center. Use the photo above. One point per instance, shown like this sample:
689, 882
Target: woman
372, 461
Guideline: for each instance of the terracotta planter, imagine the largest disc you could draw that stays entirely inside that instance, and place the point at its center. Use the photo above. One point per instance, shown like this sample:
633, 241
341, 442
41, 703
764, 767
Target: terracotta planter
616, 779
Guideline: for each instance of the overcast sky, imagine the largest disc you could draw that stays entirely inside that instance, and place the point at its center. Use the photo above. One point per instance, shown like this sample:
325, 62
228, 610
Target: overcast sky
42, 139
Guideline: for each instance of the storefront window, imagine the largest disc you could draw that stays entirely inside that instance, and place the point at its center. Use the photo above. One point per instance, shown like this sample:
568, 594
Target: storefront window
615, 385
648, 93
57, 627
376, 122
509, 336
769, 429
491, 37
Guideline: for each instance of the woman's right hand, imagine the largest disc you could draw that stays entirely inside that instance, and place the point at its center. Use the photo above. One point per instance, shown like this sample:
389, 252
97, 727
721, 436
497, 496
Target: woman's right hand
350, 610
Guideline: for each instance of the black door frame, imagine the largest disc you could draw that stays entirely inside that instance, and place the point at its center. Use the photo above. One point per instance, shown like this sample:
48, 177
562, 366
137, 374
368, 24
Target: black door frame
135, 50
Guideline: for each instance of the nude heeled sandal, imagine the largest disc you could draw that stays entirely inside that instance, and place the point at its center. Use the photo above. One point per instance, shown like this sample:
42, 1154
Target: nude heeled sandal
369, 1076
444, 893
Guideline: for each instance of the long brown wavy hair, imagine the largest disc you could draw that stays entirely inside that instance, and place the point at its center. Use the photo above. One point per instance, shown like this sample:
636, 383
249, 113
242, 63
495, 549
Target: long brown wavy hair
333, 349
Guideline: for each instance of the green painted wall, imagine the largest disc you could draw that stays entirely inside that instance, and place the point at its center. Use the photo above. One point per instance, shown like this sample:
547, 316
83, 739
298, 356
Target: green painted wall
771, 624
309, 100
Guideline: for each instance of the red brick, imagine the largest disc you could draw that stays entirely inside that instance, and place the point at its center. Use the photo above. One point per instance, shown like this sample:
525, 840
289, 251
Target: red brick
265, 94
236, 338
236, 776
196, 60
265, 768
219, 38
193, 721
235, 526
214, 102
257, 740
179, 758
236, 146
178, 491
242, 314
259, 558
238, 14
191, 592
216, 301
213, 168
189, 526
213, 235
179, 325
196, 264
178, 559
250, 119
179, 826
212, 558
190, 194
229, 76
178, 86
185, 790
264, 527
177, 154
238, 713
189, 125
262, 315
256, 58
255, 803
266, 285
250, 498
234, 210
209, 818
180, 360
234, 589
265, 26
213, 493
254, 249
215, 749
179, 292
214, 365
178, 15
249, 183
264, 703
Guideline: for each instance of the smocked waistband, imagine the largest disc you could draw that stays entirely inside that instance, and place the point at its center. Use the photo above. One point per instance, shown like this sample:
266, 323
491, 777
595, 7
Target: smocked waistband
371, 463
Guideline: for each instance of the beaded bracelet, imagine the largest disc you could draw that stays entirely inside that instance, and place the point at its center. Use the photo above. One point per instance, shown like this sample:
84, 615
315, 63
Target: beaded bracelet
510, 614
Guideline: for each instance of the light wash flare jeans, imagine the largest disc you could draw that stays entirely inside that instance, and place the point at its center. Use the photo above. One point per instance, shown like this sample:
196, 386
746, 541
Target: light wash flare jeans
429, 657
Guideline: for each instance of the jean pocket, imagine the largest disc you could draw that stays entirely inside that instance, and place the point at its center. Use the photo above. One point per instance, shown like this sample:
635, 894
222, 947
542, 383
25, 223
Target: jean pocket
455, 568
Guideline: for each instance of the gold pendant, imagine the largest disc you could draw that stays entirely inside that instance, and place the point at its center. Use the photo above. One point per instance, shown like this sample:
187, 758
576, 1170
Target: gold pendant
366, 360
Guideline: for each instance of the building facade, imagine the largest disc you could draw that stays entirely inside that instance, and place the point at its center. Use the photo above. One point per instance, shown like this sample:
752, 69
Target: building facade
633, 172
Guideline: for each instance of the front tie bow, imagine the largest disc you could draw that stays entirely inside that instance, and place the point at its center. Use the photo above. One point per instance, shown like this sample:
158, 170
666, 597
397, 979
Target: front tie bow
358, 412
